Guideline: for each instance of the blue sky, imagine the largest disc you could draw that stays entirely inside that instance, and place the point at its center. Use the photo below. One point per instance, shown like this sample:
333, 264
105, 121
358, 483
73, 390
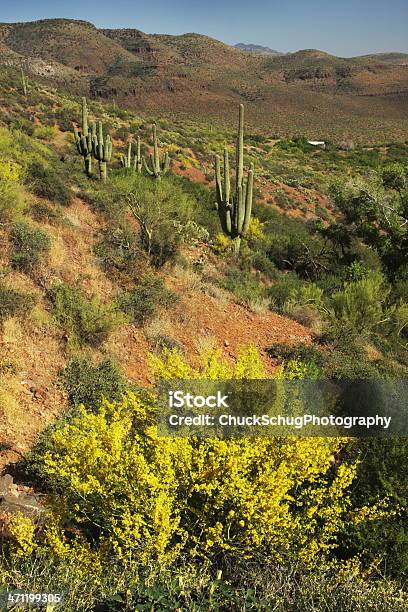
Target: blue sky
341, 27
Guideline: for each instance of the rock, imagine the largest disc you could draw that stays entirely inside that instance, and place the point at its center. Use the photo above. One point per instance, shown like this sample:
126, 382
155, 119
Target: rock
27, 505
14, 502
41, 393
226, 343
6, 483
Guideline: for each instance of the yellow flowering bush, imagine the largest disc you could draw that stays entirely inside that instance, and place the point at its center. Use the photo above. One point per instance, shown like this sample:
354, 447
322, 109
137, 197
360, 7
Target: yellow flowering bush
256, 230
222, 244
12, 198
23, 532
140, 498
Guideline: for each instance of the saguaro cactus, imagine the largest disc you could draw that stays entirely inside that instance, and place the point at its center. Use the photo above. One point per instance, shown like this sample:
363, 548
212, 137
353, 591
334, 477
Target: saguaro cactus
24, 82
235, 211
126, 160
158, 167
84, 139
102, 151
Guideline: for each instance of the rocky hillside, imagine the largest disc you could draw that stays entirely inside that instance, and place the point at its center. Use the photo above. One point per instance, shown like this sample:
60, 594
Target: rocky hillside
309, 91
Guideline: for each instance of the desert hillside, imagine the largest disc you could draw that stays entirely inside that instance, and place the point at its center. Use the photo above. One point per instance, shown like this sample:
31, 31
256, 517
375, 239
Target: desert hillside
311, 92
140, 245
94, 245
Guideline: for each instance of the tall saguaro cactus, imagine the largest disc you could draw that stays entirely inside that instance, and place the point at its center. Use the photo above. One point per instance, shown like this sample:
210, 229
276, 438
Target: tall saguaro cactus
84, 139
158, 167
235, 211
24, 83
126, 160
102, 151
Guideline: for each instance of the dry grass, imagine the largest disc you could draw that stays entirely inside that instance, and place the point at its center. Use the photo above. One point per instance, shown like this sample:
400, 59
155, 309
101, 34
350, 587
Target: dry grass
259, 305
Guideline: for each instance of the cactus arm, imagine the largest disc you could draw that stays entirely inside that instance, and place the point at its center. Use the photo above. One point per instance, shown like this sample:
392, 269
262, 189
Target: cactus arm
84, 117
228, 221
218, 181
138, 148
95, 146
108, 149
223, 207
156, 158
153, 162
24, 82
240, 148
166, 165
100, 142
138, 158
248, 200
89, 143
159, 166
147, 167
227, 180
239, 210
77, 141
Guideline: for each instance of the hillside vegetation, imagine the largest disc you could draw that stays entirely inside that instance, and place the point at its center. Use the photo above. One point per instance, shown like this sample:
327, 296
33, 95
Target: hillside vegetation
308, 92
116, 273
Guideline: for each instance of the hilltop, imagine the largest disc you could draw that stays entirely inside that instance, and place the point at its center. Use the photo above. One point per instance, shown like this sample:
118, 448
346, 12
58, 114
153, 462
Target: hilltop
308, 92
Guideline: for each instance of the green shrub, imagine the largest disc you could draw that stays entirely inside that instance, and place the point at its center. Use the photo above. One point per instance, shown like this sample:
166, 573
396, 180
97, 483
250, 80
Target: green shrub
306, 294
345, 356
306, 353
22, 125
44, 132
243, 285
157, 207
13, 303
252, 586
382, 473
86, 321
29, 245
41, 211
305, 304
283, 288
360, 303
142, 303
120, 252
260, 261
46, 182
88, 384
205, 214
395, 176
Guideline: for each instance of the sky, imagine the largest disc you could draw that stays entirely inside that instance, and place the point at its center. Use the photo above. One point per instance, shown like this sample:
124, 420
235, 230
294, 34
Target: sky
341, 27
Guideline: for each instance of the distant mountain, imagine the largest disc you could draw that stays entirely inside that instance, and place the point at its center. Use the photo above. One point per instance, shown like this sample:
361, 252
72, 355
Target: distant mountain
251, 48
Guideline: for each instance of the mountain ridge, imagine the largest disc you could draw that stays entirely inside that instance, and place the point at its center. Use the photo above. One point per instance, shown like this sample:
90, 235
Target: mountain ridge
197, 75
